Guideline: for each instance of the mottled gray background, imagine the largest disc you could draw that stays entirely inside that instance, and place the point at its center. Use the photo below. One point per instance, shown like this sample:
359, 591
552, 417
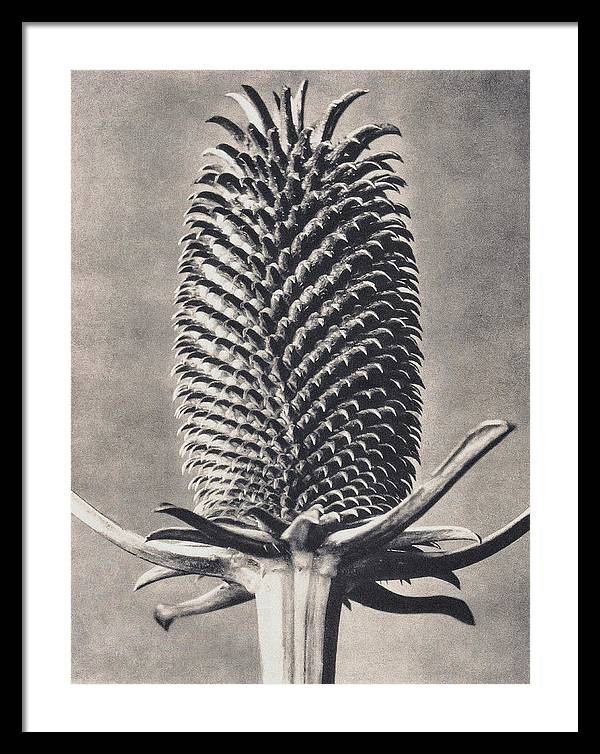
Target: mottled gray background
137, 139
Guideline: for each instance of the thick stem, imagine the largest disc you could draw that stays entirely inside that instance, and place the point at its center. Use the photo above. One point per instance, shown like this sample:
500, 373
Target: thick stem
298, 605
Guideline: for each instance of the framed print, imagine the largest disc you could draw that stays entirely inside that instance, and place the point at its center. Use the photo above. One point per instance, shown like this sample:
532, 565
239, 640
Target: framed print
311, 287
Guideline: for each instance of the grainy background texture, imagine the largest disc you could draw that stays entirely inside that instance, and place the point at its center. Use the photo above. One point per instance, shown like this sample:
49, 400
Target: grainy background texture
137, 137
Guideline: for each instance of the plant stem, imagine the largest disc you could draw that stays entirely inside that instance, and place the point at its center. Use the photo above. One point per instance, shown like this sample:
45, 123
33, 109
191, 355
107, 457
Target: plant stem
298, 605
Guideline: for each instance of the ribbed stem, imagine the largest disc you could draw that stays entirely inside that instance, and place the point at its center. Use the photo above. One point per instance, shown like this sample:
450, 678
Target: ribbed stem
298, 605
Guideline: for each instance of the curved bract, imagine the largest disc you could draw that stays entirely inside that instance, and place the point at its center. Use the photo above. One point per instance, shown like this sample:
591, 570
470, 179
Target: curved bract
298, 322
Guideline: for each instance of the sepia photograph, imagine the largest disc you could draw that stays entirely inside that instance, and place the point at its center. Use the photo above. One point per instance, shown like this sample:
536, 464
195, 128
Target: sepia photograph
344, 331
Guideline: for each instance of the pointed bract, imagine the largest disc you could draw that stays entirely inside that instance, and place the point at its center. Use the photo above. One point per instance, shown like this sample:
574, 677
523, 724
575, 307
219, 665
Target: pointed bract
379, 598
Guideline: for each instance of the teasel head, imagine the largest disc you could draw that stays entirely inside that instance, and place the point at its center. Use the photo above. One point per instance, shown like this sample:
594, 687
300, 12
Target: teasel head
298, 358
298, 323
